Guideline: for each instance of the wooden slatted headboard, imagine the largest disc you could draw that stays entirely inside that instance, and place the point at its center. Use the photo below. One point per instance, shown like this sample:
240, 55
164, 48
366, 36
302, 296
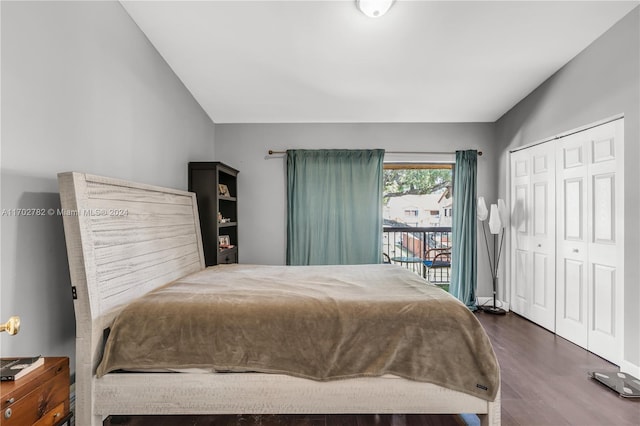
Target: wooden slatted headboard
125, 239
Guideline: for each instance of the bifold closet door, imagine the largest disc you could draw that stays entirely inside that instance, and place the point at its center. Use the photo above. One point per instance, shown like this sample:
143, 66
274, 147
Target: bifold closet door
590, 241
533, 234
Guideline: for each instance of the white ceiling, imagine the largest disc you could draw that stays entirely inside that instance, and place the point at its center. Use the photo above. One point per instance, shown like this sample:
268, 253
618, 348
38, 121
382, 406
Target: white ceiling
323, 61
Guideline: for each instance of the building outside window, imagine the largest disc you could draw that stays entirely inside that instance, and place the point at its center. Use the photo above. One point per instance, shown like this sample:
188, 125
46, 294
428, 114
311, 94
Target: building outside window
419, 197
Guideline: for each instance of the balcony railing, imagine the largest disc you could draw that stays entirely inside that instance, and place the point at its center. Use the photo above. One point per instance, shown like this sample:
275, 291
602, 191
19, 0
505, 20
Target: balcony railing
409, 247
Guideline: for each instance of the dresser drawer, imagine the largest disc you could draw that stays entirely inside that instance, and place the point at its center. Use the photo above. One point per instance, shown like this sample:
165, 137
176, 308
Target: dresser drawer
228, 256
52, 417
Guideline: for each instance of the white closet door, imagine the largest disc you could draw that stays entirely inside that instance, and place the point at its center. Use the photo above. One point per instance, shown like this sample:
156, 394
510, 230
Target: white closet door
520, 235
590, 275
543, 235
533, 234
572, 258
606, 242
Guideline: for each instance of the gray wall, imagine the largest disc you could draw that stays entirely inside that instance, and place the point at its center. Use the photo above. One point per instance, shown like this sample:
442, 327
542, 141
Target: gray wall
262, 179
602, 81
82, 90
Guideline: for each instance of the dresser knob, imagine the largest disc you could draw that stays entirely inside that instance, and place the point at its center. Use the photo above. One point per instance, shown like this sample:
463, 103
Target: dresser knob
11, 400
7, 413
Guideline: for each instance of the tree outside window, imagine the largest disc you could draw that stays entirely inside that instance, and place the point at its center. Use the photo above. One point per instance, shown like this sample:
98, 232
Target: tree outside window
410, 189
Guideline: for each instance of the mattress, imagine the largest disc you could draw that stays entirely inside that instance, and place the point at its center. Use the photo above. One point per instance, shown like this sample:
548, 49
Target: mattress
315, 322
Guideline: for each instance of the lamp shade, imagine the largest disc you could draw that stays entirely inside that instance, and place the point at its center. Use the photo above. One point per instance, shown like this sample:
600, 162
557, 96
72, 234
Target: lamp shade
494, 220
504, 213
374, 8
482, 212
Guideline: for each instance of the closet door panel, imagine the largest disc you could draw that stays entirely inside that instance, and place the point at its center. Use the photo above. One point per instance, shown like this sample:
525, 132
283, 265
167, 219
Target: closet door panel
521, 211
521, 294
574, 290
604, 324
571, 313
542, 247
540, 203
574, 218
572, 275
604, 299
520, 238
604, 226
533, 234
590, 240
540, 278
605, 240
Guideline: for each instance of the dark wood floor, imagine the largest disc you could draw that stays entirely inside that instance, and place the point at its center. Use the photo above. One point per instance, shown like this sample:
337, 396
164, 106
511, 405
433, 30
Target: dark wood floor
545, 378
544, 382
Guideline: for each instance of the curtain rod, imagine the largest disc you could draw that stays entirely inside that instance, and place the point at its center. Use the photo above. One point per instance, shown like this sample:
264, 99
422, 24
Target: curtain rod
272, 152
569, 133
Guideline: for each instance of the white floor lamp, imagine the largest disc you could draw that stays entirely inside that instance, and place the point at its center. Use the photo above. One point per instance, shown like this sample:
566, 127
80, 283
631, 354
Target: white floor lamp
497, 221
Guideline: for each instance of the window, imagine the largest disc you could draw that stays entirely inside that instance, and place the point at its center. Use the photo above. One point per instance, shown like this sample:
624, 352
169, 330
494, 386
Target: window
418, 187
417, 202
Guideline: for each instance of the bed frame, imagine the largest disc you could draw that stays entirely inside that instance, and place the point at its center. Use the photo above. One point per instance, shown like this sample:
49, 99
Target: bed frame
125, 239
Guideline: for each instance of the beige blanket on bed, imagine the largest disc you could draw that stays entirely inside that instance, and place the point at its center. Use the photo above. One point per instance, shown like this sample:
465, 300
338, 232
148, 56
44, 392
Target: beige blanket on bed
316, 322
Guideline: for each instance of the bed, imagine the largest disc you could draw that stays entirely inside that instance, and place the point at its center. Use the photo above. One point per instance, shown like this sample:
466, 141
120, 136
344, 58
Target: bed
127, 242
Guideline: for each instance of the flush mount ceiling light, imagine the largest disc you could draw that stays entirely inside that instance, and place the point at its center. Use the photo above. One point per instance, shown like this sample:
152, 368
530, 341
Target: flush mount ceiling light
374, 8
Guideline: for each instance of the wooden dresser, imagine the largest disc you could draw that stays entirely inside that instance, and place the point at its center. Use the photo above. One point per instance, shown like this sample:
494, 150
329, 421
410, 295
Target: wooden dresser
41, 398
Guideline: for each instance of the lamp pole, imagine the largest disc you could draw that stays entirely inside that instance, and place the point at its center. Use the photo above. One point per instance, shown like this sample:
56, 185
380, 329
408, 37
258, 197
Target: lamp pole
494, 271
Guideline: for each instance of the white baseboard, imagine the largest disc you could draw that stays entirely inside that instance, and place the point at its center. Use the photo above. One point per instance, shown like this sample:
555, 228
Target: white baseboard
630, 368
489, 301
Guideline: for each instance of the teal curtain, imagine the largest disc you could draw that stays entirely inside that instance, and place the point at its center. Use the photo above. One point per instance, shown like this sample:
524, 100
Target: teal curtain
464, 256
334, 207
